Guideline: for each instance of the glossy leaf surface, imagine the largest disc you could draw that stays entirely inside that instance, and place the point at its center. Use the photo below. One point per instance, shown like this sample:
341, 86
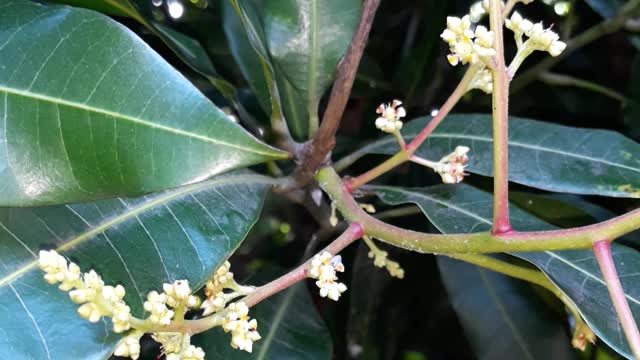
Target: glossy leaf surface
306, 39
185, 233
289, 325
463, 209
502, 315
89, 111
541, 155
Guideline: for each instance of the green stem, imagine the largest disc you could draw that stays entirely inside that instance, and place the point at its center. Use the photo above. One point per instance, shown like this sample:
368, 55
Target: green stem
602, 251
399, 158
460, 90
405, 154
483, 242
501, 222
566, 80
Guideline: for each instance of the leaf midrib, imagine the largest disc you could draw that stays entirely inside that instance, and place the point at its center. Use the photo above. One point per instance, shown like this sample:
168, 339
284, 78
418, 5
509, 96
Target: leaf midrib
134, 211
487, 221
133, 119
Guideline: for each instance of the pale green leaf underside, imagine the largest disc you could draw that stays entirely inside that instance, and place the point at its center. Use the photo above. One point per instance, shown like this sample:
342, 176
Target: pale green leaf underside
464, 209
541, 155
87, 110
140, 243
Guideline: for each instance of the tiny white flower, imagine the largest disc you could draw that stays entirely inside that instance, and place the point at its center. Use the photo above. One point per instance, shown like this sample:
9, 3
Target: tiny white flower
171, 342
464, 49
179, 294
156, 305
128, 347
193, 353
390, 115
323, 267
243, 330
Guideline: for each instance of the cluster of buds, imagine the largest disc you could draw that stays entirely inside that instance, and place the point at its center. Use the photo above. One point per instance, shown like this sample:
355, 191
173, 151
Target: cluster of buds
467, 46
129, 346
214, 289
243, 330
451, 167
95, 299
323, 267
98, 300
381, 259
177, 346
483, 80
178, 294
390, 115
539, 38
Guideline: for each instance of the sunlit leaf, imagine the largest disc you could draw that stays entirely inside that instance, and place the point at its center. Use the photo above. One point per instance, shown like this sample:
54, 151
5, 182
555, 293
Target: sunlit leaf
87, 110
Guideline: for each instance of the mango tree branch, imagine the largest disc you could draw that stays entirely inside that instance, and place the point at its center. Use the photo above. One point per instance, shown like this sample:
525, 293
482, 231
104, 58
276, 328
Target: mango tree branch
315, 152
483, 242
602, 251
500, 102
351, 234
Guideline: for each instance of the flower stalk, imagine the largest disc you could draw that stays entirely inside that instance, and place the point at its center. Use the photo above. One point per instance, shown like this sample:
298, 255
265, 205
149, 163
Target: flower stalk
501, 222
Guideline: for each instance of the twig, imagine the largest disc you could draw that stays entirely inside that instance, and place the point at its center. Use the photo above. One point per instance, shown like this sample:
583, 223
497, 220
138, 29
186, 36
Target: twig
315, 152
482, 242
500, 99
353, 233
602, 251
566, 80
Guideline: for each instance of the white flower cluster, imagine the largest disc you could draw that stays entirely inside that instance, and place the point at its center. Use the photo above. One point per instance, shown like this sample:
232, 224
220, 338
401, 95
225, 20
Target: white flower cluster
129, 346
451, 167
539, 38
96, 299
214, 289
179, 294
243, 330
483, 80
466, 45
177, 346
323, 267
156, 304
381, 259
390, 115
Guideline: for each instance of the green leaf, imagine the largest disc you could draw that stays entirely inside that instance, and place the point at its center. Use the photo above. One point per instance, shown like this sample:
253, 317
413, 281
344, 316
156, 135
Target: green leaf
542, 155
464, 209
502, 315
185, 233
89, 111
188, 49
289, 325
306, 39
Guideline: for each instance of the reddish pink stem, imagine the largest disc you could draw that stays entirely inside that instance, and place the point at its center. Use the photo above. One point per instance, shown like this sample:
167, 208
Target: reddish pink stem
353, 233
602, 250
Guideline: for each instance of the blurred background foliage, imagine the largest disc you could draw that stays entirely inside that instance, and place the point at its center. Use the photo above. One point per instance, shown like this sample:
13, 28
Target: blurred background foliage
415, 318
